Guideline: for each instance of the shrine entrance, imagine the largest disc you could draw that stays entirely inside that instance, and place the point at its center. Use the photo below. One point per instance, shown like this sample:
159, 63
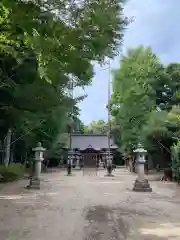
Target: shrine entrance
90, 161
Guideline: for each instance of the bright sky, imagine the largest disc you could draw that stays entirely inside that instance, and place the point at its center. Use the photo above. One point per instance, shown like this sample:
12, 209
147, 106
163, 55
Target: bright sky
156, 24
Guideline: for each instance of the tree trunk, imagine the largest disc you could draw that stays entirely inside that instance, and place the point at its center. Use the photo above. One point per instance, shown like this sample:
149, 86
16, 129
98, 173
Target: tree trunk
26, 157
7, 147
130, 164
133, 159
12, 156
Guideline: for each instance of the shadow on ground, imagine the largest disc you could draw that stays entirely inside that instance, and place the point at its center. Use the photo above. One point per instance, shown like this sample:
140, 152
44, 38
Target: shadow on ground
104, 223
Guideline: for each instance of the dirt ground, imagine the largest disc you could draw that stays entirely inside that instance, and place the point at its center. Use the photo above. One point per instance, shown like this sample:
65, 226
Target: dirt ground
89, 208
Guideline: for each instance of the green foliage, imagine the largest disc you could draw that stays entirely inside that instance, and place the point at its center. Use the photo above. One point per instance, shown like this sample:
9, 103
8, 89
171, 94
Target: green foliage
133, 95
156, 126
12, 172
98, 127
58, 145
66, 44
42, 48
168, 86
145, 103
175, 156
173, 70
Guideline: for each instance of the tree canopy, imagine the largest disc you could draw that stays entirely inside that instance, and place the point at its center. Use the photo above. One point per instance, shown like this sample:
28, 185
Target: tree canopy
144, 99
46, 49
97, 127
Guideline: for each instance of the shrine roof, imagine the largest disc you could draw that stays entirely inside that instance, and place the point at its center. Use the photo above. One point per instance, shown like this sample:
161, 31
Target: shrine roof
96, 141
88, 134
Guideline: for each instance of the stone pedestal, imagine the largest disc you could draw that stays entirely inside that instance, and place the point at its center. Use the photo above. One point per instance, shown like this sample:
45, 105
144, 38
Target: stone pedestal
35, 179
109, 175
69, 170
34, 182
109, 165
141, 184
109, 171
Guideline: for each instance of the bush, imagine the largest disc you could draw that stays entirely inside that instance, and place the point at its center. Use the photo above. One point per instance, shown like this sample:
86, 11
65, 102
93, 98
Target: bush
12, 172
175, 157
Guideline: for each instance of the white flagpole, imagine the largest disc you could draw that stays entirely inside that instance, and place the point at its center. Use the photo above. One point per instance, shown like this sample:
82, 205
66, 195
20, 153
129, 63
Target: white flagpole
72, 110
109, 113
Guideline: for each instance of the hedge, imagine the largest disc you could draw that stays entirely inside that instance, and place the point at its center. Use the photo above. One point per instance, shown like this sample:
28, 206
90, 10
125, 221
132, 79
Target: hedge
175, 156
12, 172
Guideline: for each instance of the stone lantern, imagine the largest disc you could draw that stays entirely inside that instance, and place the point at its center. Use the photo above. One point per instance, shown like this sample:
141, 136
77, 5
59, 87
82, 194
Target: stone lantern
141, 184
109, 160
103, 154
70, 162
35, 179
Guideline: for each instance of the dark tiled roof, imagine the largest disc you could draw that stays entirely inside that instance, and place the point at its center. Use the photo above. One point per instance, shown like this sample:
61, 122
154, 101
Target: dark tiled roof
88, 134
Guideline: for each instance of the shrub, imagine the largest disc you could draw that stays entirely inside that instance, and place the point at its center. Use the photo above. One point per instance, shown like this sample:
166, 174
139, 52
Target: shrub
175, 157
12, 172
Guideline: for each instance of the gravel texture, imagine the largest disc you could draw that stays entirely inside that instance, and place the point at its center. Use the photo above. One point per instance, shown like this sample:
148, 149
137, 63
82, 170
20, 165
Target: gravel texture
89, 207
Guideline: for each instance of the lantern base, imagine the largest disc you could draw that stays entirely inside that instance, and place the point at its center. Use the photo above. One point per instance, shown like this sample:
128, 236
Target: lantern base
142, 186
109, 175
34, 183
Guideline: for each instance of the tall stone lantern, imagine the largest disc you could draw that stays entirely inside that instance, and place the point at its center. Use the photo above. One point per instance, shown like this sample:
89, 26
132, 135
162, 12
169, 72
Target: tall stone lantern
109, 161
38, 158
141, 184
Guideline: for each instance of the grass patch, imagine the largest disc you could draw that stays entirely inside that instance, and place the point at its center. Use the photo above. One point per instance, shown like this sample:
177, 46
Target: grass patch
12, 172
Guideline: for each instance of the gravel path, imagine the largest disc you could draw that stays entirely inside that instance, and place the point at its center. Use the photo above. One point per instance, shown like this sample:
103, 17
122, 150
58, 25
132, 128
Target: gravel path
89, 208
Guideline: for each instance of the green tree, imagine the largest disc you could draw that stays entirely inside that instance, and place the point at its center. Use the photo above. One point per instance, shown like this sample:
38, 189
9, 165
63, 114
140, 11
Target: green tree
42, 48
133, 96
64, 36
173, 88
98, 127
144, 104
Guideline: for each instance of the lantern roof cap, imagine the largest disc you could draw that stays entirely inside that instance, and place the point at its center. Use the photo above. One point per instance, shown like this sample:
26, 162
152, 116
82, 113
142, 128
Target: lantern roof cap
140, 149
70, 151
39, 148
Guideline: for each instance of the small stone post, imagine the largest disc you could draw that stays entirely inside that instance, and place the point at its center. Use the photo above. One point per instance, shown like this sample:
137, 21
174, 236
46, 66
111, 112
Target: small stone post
70, 162
141, 184
77, 160
35, 179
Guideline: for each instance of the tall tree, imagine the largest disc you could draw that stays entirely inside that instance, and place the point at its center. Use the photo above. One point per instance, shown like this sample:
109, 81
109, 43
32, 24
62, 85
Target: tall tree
173, 88
43, 46
65, 36
98, 127
134, 93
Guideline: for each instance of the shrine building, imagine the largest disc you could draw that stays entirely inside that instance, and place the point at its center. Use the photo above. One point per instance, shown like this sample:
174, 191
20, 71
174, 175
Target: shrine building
91, 148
